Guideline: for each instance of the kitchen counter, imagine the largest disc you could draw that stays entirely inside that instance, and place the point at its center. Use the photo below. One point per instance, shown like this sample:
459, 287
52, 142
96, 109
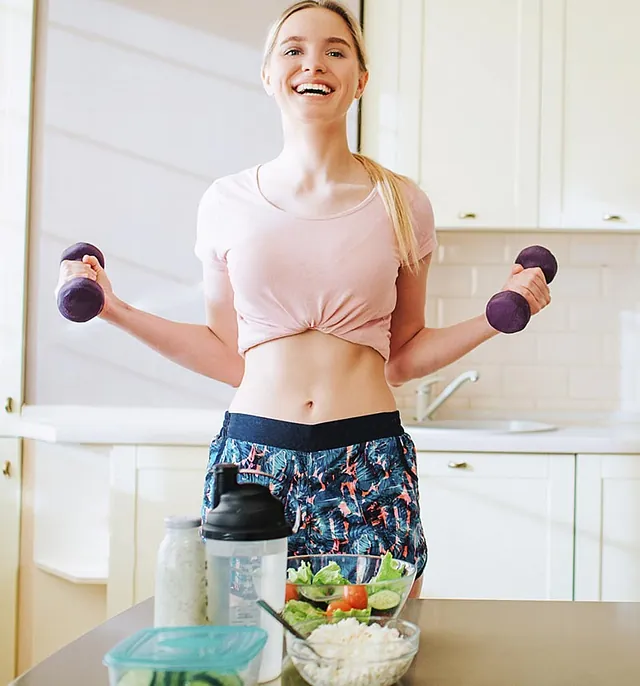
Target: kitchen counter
197, 427
463, 643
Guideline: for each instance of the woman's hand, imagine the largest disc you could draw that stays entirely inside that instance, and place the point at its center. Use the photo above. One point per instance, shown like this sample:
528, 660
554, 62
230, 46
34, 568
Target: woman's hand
89, 268
531, 284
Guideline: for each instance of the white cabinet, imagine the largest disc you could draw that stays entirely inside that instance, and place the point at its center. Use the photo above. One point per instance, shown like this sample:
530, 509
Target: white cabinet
607, 564
498, 525
10, 482
147, 484
16, 29
591, 109
510, 115
466, 83
480, 111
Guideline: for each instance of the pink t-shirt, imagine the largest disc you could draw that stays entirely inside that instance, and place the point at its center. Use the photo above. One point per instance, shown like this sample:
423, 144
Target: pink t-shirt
289, 274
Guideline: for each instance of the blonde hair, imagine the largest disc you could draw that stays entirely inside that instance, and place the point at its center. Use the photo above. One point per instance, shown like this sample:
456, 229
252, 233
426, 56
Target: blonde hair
388, 183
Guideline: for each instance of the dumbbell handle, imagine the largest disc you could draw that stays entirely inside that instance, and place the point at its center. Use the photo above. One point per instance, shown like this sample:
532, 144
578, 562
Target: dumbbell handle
81, 299
509, 311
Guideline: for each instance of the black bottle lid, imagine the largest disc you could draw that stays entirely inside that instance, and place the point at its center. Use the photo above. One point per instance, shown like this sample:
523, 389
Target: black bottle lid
243, 511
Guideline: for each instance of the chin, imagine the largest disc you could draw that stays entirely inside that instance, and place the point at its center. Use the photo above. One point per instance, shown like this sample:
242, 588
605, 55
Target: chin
316, 113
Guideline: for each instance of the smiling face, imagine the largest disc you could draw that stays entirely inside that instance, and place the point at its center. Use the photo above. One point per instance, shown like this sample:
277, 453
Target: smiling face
314, 70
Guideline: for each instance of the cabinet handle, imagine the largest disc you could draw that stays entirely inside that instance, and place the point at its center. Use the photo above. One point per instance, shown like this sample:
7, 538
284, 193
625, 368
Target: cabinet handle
6, 469
8, 405
612, 218
458, 465
466, 215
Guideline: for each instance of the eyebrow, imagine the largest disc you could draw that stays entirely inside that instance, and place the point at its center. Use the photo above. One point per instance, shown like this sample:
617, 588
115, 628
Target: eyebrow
302, 39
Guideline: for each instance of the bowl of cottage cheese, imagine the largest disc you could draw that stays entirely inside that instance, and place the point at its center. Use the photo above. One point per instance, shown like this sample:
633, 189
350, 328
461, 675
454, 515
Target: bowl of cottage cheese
376, 651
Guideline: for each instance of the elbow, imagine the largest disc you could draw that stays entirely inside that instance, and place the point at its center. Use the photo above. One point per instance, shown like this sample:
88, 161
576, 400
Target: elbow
402, 365
396, 371
235, 371
235, 381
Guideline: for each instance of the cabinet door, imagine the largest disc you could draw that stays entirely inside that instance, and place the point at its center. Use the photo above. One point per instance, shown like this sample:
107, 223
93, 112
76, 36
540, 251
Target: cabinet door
148, 483
608, 528
454, 103
590, 133
498, 526
10, 470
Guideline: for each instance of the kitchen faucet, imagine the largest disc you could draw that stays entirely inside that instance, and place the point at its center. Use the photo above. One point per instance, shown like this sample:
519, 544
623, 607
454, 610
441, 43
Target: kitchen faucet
424, 390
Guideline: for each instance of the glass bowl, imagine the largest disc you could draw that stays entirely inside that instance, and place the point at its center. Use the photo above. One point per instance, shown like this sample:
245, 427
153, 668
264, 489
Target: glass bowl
324, 588
373, 652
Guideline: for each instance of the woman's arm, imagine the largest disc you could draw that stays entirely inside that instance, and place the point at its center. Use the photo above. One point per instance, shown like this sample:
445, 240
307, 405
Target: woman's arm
210, 350
194, 346
417, 350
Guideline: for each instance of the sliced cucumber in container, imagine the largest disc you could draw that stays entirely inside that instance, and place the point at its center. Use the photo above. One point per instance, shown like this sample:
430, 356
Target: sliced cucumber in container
143, 677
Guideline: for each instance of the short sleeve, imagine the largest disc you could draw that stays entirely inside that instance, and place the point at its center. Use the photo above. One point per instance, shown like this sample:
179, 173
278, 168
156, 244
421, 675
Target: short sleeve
424, 222
208, 231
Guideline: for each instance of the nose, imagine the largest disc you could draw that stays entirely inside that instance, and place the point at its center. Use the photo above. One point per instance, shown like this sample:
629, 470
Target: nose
314, 64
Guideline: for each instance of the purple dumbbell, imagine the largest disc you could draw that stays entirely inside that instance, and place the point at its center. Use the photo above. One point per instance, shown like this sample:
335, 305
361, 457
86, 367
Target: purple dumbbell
81, 299
509, 311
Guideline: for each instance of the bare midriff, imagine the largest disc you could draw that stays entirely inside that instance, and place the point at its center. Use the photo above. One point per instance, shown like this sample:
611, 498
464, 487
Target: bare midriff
313, 377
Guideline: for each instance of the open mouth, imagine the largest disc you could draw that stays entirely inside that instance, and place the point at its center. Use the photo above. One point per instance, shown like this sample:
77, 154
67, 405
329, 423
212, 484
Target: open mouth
318, 90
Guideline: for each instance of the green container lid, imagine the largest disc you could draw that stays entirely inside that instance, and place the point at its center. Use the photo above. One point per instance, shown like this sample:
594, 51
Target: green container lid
226, 649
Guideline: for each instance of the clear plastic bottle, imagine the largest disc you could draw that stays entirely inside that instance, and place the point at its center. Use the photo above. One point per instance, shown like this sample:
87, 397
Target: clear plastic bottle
246, 541
181, 577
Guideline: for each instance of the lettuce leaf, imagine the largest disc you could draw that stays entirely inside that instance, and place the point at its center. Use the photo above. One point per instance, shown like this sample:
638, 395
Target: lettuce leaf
302, 575
390, 571
330, 575
297, 611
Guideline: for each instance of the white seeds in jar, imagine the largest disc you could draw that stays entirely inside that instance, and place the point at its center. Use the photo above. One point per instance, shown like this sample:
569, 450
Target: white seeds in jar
180, 584
359, 655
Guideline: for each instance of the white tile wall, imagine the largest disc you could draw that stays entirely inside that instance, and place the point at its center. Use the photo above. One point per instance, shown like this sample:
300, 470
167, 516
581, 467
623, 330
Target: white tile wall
570, 356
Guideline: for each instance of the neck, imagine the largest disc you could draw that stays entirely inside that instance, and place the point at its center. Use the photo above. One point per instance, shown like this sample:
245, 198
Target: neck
316, 153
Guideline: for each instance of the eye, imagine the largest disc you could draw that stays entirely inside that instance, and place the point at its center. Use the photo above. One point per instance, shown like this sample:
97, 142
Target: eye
335, 53
293, 51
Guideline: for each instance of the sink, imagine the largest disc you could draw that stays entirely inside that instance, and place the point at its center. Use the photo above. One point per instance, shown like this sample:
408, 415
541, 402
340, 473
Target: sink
500, 426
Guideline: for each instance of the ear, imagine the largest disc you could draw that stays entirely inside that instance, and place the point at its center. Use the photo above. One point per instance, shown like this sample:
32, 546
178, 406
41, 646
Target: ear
362, 84
266, 82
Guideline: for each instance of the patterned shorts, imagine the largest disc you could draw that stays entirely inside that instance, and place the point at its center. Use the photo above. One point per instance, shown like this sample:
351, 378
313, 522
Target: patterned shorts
348, 486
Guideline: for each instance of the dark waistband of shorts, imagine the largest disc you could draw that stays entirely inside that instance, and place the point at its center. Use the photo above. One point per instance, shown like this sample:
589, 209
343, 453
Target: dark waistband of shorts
338, 433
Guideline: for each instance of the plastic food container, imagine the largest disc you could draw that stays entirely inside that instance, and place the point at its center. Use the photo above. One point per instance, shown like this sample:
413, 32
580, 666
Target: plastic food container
188, 656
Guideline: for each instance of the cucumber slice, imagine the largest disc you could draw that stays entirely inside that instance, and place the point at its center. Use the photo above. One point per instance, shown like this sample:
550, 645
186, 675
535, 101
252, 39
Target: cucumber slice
169, 679
145, 677
384, 600
212, 679
138, 677
321, 594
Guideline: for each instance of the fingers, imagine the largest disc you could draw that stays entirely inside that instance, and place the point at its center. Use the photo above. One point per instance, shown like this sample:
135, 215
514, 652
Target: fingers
531, 284
92, 262
537, 299
70, 269
534, 288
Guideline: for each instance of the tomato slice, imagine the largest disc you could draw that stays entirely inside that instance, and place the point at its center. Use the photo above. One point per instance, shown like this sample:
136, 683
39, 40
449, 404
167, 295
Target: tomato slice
338, 605
356, 595
291, 593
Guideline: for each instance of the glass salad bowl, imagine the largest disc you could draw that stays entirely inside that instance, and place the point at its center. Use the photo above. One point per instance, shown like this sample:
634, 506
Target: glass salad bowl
377, 651
322, 589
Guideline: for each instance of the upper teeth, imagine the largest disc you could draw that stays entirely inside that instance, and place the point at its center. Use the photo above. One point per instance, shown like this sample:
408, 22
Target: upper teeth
313, 87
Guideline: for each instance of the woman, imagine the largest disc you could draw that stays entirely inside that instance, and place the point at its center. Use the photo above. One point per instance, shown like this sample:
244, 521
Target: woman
315, 267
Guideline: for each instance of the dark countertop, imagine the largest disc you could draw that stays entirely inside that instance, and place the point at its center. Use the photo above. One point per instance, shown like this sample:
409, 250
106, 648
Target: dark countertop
463, 643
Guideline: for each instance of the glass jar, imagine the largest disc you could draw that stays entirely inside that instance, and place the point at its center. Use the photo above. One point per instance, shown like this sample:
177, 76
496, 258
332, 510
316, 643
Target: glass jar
181, 579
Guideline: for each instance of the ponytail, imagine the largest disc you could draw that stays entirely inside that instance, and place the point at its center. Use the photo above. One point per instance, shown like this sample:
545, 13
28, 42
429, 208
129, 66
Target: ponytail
389, 185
